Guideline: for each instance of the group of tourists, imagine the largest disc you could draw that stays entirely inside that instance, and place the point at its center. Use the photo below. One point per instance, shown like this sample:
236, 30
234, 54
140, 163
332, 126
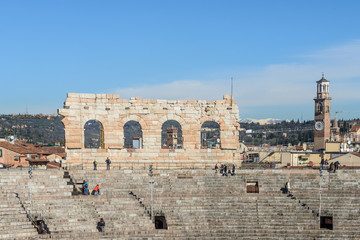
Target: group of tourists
85, 189
334, 166
225, 170
108, 162
331, 168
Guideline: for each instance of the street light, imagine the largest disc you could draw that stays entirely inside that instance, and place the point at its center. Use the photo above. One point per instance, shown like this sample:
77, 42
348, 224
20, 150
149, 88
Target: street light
151, 182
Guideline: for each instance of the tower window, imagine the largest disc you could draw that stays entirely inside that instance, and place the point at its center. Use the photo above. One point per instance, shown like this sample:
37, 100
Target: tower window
319, 107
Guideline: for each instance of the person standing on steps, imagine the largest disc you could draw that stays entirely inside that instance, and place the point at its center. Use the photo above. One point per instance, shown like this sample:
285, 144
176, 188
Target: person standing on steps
225, 171
287, 187
95, 164
233, 170
322, 163
331, 168
108, 162
336, 166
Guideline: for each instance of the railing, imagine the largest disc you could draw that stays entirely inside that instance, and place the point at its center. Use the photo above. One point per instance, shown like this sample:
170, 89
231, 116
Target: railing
146, 209
145, 166
289, 194
40, 225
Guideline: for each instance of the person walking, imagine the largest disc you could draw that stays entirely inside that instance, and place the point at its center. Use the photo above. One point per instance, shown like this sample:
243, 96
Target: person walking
108, 162
95, 165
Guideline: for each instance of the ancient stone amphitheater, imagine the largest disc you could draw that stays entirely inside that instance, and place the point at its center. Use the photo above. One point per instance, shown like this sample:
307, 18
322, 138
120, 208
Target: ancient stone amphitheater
187, 204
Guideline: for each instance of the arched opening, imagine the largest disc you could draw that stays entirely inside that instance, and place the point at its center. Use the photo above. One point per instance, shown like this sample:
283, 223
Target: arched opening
319, 108
132, 135
160, 222
62, 138
210, 135
171, 135
93, 134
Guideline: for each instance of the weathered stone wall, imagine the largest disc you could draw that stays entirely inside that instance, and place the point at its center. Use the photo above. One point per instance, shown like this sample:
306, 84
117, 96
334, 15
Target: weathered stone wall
114, 112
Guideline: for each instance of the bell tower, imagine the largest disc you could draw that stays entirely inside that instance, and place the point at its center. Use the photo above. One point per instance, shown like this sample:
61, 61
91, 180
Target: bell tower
322, 114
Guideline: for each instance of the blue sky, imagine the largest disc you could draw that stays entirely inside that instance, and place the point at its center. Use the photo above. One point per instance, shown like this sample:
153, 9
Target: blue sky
274, 50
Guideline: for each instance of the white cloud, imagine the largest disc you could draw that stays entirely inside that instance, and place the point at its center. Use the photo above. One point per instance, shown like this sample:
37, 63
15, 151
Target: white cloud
281, 84
186, 89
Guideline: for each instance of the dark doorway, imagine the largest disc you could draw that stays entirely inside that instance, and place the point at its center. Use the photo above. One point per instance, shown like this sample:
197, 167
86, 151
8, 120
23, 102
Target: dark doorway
252, 186
160, 222
326, 222
132, 135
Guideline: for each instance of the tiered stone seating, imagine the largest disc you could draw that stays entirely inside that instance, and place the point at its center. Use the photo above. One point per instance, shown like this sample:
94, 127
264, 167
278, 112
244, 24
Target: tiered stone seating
14, 223
197, 204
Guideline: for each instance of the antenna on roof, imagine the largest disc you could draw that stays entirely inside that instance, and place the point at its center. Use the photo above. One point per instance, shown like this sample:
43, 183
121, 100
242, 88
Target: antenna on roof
231, 91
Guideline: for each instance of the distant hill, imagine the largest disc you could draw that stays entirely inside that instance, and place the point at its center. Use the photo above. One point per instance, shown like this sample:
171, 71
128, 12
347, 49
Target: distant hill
38, 129
47, 130
262, 121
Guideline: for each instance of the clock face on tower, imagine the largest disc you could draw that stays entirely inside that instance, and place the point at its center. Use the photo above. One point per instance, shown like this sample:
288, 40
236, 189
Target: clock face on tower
319, 125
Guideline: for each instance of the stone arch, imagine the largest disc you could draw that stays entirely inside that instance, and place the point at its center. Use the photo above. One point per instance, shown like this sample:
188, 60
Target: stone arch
210, 134
135, 118
133, 134
218, 120
94, 134
171, 134
177, 118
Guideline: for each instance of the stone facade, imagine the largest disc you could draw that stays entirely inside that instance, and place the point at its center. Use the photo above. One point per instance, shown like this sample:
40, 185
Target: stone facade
114, 113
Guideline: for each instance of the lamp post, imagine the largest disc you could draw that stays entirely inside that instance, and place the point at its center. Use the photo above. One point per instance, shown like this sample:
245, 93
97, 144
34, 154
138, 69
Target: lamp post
30, 176
320, 182
151, 182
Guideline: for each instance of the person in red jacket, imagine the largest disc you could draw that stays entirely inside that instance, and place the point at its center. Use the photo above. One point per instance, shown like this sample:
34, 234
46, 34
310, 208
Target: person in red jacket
96, 190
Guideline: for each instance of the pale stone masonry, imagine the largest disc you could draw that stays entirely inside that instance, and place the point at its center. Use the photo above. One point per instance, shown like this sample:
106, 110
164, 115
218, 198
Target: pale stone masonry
114, 113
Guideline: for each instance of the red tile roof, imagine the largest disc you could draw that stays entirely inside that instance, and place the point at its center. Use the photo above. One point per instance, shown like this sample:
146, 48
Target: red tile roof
50, 150
299, 148
17, 148
355, 128
28, 148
